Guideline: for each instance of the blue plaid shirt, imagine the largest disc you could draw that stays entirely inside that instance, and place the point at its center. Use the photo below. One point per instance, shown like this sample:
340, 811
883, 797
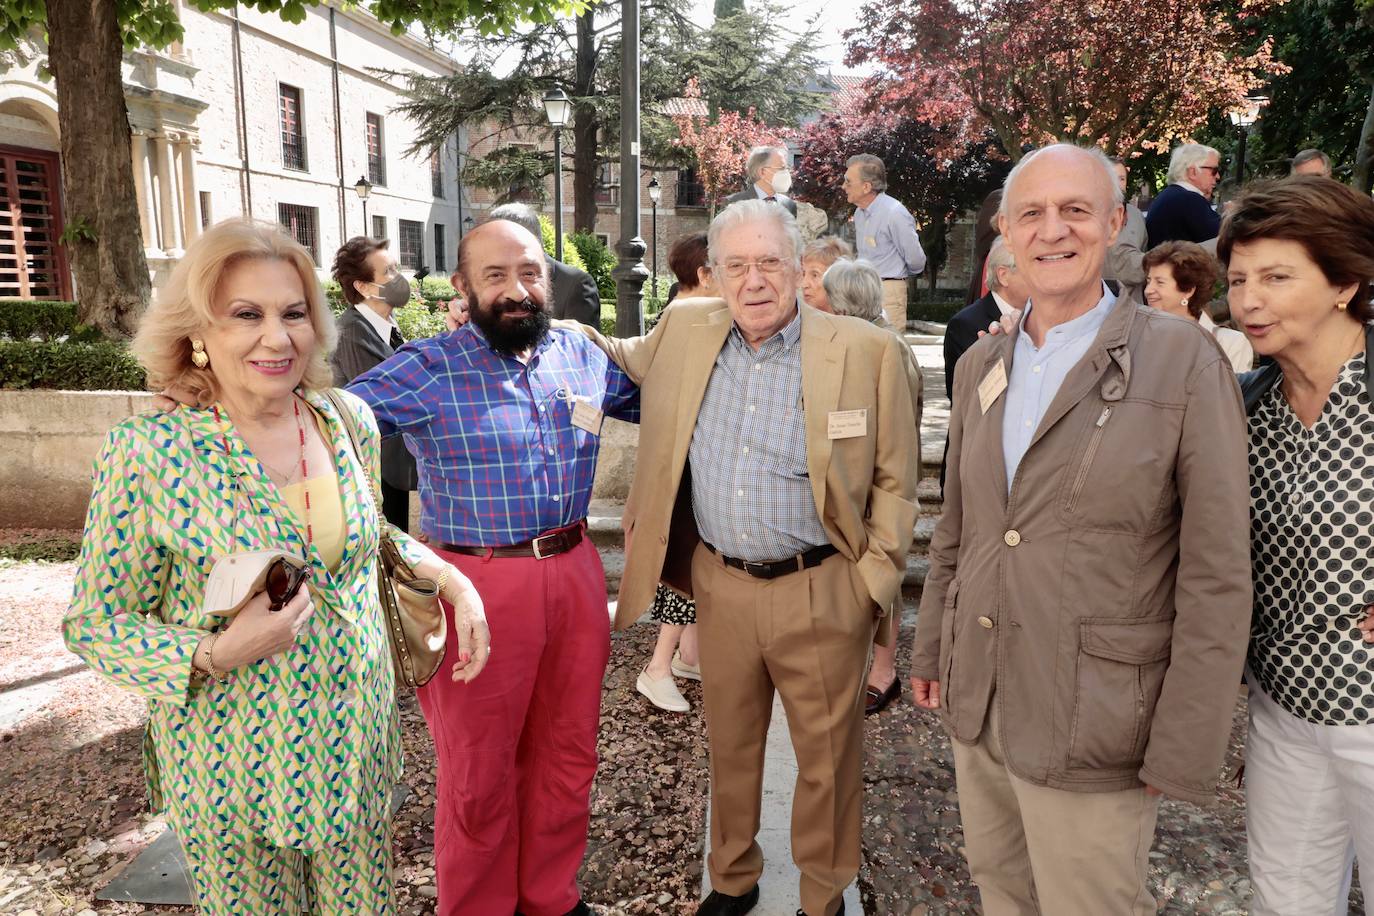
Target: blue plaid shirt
751, 490
499, 459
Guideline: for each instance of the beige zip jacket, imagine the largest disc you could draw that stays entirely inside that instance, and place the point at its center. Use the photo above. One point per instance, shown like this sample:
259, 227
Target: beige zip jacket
1104, 603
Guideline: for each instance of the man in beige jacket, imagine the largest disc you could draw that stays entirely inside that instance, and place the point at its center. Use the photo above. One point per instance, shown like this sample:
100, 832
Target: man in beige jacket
791, 529
1085, 619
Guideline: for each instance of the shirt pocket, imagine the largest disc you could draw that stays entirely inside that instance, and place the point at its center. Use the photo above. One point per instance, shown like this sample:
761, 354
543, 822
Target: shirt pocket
1119, 675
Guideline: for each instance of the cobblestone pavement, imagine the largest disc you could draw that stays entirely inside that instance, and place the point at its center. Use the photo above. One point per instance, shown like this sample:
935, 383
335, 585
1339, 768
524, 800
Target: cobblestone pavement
912, 839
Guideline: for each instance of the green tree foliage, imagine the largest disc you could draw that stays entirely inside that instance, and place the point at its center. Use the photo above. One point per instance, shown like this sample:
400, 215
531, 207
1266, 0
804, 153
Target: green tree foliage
597, 260
742, 61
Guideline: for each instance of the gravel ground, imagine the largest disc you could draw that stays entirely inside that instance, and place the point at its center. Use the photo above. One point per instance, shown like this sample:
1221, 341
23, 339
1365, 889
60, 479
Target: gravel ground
913, 840
75, 815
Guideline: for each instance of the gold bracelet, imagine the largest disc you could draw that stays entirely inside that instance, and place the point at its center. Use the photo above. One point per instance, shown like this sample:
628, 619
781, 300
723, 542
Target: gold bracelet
440, 582
211, 671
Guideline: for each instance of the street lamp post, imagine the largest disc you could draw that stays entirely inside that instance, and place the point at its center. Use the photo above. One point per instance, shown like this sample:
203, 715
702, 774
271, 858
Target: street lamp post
629, 272
364, 188
1243, 119
558, 107
655, 194
467, 226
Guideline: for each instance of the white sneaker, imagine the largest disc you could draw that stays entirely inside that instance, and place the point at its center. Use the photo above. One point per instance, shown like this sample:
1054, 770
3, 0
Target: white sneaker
682, 669
662, 693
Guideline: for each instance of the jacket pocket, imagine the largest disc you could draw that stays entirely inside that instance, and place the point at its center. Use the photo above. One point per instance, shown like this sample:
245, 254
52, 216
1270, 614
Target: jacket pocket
947, 638
1093, 443
1121, 666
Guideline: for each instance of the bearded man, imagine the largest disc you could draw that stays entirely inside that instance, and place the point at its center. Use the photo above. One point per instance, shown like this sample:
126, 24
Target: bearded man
504, 418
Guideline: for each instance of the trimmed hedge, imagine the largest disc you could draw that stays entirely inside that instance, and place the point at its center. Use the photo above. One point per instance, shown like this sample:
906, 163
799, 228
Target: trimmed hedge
21, 319
103, 365
938, 312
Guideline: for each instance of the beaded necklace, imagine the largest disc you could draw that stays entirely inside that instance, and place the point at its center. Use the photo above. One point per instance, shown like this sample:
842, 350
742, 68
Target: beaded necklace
305, 469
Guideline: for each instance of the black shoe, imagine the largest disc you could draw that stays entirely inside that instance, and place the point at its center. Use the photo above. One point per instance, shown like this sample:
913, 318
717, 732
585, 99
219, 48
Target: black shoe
580, 910
839, 912
718, 904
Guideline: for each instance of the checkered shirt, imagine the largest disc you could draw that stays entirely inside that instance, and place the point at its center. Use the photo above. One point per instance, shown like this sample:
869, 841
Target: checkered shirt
751, 491
499, 459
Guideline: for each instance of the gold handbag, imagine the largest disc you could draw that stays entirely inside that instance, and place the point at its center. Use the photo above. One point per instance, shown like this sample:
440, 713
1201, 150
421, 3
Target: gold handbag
410, 603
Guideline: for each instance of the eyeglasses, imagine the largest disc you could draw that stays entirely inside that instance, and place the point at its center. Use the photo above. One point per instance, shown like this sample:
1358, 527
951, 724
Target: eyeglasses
1214, 169
283, 581
736, 269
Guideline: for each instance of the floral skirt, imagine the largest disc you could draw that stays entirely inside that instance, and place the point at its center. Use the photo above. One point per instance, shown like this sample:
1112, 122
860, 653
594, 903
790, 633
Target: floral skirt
672, 608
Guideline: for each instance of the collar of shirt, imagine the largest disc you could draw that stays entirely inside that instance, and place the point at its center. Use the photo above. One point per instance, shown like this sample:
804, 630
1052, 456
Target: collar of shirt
1207, 323
473, 330
762, 194
1002, 304
1090, 322
871, 204
379, 324
780, 342
1190, 187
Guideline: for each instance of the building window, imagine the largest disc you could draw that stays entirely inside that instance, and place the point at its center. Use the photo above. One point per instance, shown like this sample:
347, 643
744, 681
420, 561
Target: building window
304, 225
292, 127
436, 174
379, 227
411, 250
33, 264
376, 150
205, 216
690, 191
604, 239
607, 186
440, 246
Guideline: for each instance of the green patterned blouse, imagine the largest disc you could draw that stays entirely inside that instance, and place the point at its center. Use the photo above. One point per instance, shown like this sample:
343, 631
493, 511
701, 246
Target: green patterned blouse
288, 749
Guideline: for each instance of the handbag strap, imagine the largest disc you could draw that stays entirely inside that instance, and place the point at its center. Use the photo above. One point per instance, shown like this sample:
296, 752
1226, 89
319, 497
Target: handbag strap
351, 427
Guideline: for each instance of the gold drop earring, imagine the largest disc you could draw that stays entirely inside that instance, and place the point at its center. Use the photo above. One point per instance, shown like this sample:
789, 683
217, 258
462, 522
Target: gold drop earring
199, 357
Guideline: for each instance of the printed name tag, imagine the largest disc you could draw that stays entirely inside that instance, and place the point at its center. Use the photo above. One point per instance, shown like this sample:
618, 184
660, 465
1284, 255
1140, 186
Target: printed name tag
993, 384
846, 424
585, 416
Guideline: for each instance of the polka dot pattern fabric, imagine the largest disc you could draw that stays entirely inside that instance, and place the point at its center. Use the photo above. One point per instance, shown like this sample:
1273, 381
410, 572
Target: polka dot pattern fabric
1311, 530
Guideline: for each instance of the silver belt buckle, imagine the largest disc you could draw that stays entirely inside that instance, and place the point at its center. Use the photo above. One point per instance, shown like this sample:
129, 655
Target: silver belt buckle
535, 544
749, 565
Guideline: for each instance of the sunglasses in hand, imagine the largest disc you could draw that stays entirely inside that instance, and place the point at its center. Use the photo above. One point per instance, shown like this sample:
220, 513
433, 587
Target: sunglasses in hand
283, 581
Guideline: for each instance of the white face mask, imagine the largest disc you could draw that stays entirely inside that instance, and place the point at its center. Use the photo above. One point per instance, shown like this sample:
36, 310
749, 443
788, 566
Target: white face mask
782, 182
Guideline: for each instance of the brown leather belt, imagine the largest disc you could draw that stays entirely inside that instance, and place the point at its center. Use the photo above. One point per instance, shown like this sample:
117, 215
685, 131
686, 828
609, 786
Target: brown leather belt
772, 570
541, 548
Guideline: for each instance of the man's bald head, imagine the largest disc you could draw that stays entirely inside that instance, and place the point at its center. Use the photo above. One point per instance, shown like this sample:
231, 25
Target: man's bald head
1060, 212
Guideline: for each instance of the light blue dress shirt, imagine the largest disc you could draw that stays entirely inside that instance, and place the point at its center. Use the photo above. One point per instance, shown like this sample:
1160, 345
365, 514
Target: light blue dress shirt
751, 488
885, 236
1037, 374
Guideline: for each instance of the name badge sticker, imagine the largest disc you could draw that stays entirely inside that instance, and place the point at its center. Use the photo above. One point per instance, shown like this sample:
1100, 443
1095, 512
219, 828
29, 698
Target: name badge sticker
992, 385
847, 424
585, 416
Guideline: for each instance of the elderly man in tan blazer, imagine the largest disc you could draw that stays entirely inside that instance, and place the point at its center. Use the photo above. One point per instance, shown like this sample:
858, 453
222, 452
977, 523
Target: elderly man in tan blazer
791, 530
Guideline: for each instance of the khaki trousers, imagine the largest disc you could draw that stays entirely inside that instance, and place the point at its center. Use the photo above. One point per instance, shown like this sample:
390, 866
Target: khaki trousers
807, 635
894, 303
1033, 849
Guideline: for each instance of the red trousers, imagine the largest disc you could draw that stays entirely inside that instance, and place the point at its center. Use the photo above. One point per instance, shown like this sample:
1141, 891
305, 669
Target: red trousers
517, 746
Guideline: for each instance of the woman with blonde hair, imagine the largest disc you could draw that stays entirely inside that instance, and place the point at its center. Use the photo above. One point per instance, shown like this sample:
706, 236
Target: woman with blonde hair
273, 739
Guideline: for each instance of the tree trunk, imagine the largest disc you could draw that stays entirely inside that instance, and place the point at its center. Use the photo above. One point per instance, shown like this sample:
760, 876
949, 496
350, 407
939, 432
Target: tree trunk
85, 51
585, 158
1364, 153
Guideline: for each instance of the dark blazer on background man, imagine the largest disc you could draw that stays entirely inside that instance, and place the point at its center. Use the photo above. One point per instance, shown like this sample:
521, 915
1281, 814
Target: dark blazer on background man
358, 350
575, 295
960, 334
750, 194
1179, 214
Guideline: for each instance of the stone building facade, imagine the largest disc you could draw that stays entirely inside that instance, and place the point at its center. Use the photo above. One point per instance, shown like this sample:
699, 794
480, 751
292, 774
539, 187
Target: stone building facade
248, 115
